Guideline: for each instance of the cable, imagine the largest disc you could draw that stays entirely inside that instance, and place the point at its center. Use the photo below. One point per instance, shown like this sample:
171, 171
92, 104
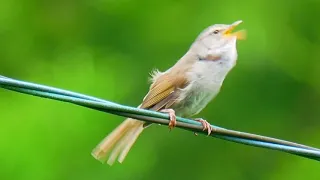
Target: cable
156, 117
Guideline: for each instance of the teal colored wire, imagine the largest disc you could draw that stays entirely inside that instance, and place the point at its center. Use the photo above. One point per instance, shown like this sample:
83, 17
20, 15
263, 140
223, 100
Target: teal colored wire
156, 117
42, 88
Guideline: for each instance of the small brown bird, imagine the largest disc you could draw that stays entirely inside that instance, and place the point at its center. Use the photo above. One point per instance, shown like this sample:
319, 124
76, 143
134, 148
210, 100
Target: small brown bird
183, 90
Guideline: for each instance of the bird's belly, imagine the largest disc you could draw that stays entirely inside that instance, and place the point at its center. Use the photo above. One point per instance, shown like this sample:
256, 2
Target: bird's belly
195, 100
207, 78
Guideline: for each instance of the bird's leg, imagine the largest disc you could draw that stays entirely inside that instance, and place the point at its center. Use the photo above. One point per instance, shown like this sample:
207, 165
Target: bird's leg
206, 126
172, 116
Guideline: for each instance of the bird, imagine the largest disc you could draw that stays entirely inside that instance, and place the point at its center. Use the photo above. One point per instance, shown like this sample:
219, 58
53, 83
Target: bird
182, 90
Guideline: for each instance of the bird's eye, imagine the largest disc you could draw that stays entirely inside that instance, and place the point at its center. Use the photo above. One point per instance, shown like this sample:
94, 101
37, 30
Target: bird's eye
216, 32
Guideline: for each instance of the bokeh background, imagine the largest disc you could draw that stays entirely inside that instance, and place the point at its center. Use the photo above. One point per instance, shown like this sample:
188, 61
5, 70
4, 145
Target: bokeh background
106, 48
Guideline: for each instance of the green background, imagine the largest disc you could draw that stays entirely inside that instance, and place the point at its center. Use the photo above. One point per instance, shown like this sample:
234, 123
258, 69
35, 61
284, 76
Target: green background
106, 48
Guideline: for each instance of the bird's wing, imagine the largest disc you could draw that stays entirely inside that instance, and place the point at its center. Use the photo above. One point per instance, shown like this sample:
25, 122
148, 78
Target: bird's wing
163, 92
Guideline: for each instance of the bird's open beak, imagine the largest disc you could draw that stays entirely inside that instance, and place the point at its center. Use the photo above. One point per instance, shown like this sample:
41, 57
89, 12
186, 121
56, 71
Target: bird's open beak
239, 34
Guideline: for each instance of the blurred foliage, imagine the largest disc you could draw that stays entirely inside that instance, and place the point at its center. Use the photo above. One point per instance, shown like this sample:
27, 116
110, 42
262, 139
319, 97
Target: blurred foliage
106, 48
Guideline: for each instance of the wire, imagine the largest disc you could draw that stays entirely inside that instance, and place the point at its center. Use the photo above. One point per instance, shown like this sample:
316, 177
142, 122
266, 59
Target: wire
156, 117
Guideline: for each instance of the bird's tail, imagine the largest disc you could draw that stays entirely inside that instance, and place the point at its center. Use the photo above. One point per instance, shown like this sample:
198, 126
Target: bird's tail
120, 141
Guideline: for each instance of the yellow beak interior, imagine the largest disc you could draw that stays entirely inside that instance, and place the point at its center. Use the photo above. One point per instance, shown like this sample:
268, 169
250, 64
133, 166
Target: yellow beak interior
239, 34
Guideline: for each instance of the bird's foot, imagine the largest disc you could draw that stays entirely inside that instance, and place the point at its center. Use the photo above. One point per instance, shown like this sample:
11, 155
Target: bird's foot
172, 116
206, 126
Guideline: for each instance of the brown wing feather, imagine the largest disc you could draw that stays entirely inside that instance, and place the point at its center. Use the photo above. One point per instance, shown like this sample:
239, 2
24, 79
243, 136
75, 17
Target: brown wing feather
166, 102
160, 91
157, 93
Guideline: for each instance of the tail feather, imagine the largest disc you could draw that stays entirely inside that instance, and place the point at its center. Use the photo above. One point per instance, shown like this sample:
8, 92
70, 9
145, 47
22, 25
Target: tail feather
101, 150
130, 143
119, 140
119, 146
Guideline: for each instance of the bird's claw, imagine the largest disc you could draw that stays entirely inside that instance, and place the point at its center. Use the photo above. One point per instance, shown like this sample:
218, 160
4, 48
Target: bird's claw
206, 126
172, 116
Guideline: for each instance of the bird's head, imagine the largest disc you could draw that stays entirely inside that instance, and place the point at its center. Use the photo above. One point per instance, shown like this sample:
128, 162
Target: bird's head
218, 38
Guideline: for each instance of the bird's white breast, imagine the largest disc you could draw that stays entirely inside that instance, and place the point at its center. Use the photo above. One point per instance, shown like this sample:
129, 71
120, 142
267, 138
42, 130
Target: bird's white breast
206, 80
